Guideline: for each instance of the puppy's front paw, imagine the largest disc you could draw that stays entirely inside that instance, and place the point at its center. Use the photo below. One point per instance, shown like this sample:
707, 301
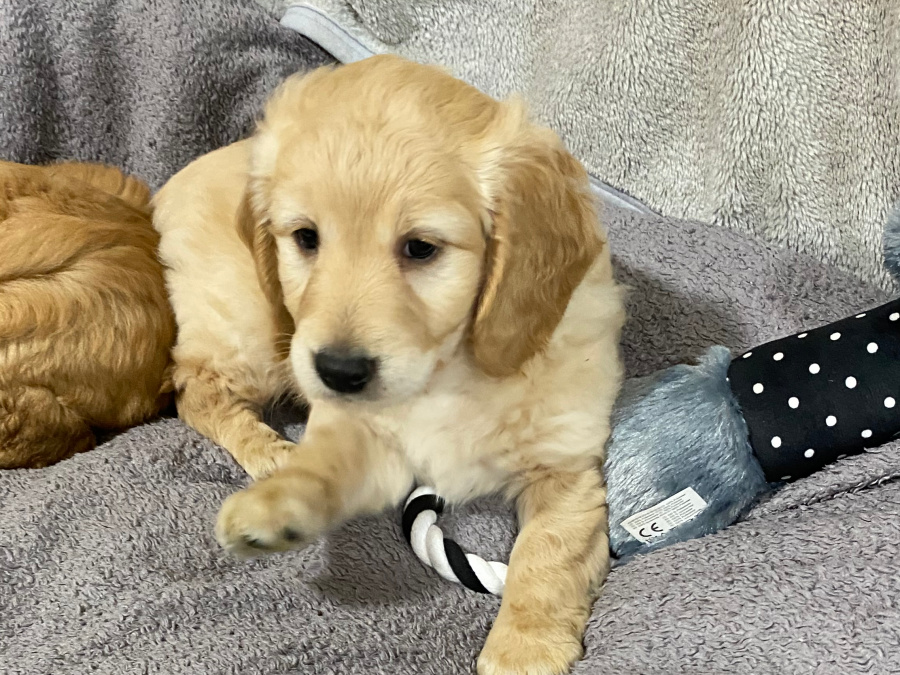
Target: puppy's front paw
267, 460
541, 650
274, 514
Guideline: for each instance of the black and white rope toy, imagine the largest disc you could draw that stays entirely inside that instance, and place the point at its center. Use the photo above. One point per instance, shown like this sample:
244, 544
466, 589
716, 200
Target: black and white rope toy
693, 447
443, 555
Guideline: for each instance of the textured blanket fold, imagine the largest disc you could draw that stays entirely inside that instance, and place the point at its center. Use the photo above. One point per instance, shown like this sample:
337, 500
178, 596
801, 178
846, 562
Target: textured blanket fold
146, 85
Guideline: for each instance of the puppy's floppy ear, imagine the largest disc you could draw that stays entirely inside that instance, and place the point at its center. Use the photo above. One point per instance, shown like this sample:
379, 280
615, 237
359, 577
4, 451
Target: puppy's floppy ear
255, 234
544, 239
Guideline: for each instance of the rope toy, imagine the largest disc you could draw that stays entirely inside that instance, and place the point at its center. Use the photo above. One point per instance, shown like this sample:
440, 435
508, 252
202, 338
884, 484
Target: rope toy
444, 555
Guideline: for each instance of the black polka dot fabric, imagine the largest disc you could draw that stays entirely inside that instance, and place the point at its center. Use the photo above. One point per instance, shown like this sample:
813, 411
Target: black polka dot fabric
818, 396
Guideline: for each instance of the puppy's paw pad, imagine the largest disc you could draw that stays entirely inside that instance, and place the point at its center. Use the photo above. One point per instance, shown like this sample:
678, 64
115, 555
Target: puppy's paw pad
264, 520
291, 535
254, 543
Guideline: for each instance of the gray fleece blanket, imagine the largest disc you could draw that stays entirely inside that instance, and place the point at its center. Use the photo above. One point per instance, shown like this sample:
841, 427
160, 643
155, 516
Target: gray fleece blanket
147, 85
776, 119
108, 562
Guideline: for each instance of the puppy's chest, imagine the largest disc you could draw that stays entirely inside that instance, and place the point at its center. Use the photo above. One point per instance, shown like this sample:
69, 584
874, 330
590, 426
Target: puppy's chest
459, 447
469, 435
467, 438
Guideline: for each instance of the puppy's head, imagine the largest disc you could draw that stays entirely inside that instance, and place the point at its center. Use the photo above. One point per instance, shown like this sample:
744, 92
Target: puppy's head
399, 216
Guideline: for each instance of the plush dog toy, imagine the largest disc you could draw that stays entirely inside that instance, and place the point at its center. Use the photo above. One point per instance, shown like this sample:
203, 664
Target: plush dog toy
694, 446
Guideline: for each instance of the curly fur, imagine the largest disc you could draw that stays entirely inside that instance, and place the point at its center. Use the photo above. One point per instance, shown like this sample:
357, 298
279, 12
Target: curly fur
85, 325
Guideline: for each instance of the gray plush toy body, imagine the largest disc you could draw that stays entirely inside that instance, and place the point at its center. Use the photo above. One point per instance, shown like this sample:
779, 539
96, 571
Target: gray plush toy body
675, 430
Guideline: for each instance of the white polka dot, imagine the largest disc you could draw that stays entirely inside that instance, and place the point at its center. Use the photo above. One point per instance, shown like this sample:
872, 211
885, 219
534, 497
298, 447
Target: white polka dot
785, 478
889, 402
778, 356
802, 335
809, 453
859, 316
814, 368
894, 316
835, 336
794, 402
747, 355
776, 441
758, 388
871, 347
850, 382
866, 433
831, 420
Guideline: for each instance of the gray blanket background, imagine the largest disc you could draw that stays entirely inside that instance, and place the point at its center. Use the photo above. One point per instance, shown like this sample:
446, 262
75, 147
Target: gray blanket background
108, 562
779, 120
147, 85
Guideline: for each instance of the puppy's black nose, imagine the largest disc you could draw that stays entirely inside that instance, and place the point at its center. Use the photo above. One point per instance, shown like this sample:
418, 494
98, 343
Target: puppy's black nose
344, 372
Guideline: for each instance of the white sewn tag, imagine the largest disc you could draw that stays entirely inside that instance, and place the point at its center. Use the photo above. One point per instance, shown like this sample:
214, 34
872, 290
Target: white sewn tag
654, 522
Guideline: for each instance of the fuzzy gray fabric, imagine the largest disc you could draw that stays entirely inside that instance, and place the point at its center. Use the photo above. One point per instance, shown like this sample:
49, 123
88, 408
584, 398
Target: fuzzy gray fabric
775, 119
109, 564
147, 85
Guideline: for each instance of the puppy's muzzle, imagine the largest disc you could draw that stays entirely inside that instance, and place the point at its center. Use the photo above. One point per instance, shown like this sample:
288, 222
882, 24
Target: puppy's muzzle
344, 372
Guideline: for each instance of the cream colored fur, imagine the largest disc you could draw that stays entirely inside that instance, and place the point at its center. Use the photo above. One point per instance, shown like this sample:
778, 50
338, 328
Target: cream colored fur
499, 360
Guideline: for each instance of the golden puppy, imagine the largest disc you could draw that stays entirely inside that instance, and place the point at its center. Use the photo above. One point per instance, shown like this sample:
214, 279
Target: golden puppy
85, 324
426, 268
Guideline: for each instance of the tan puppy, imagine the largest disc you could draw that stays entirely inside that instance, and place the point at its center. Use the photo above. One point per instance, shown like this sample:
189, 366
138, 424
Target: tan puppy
85, 325
426, 268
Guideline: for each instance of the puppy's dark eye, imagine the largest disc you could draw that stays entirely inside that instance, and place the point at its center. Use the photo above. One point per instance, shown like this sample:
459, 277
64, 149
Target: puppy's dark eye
416, 249
307, 239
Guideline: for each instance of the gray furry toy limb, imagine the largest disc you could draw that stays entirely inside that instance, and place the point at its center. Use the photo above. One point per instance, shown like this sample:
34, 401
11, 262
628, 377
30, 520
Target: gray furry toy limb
675, 429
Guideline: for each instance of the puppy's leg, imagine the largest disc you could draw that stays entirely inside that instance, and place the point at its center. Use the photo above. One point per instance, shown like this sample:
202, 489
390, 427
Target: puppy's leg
206, 402
341, 469
558, 562
37, 430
